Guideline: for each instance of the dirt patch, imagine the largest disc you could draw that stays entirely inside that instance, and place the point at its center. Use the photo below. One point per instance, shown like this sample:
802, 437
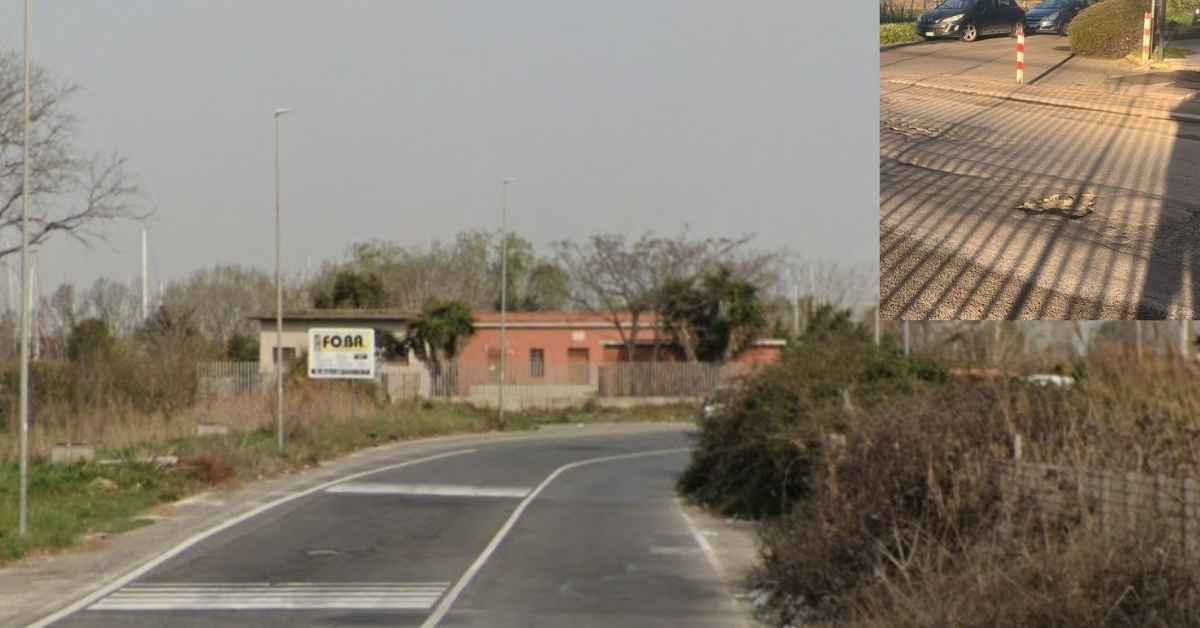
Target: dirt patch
1067, 205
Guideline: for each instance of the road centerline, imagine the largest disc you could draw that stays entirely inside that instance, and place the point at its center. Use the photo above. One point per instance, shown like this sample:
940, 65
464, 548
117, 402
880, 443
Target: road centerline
449, 598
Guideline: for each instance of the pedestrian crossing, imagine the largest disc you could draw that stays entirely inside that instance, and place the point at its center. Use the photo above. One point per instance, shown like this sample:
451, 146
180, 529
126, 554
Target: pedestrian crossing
426, 490
237, 596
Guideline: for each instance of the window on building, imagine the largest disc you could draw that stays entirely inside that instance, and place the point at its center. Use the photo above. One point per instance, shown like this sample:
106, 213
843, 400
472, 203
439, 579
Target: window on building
289, 355
537, 363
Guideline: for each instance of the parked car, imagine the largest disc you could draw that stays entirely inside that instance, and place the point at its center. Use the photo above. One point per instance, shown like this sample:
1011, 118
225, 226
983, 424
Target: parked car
971, 19
1053, 16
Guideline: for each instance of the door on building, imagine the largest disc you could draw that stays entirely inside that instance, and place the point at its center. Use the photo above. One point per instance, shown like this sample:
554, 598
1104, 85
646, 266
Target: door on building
579, 370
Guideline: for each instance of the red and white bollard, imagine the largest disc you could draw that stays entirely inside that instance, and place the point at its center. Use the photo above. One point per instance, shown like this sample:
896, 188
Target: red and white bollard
1146, 31
1020, 53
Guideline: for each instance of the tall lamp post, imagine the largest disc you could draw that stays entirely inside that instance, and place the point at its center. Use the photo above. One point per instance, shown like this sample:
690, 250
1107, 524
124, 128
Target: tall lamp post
26, 294
278, 296
504, 183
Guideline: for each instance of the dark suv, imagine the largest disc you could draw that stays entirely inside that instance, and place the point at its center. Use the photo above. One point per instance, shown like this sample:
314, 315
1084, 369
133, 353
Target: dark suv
1053, 16
971, 19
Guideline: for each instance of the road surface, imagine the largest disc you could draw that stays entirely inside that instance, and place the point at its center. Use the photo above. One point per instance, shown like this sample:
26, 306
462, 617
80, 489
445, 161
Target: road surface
579, 531
955, 167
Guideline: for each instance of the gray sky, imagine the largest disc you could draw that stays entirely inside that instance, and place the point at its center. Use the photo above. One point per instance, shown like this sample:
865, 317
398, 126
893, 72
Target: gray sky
622, 115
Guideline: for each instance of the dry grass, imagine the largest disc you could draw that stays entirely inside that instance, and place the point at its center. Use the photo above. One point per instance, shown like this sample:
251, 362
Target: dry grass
905, 519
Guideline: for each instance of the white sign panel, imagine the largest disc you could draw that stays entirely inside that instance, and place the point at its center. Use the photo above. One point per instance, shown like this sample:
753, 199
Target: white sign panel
341, 353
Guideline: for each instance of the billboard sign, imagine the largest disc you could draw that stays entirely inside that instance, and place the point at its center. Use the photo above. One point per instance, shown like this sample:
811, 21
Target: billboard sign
341, 353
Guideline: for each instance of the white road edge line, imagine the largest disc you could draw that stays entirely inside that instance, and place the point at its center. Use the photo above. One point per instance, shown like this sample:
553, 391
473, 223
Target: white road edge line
448, 599
162, 558
711, 554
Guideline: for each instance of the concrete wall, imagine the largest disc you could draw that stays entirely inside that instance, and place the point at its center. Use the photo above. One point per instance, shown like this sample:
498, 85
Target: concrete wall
519, 397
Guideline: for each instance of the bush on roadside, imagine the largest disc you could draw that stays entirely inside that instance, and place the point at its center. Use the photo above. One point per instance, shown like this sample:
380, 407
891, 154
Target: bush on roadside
915, 480
1082, 579
897, 33
1109, 29
756, 457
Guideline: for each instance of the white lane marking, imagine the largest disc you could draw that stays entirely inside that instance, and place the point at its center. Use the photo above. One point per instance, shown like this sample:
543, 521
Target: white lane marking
440, 490
162, 558
701, 540
661, 550
711, 554
186, 596
443, 607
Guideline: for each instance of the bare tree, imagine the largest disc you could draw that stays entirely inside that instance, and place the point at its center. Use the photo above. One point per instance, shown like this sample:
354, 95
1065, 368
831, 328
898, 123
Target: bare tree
626, 280
118, 304
73, 194
222, 299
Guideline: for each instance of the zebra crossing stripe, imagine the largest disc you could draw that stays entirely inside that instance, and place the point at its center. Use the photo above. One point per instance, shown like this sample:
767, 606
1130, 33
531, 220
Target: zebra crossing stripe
436, 490
215, 596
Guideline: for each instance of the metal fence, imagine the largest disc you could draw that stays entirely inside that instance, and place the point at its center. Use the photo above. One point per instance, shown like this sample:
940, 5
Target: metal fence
549, 385
1117, 501
228, 379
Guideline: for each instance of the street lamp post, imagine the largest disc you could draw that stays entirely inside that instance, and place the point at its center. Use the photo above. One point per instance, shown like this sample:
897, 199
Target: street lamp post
26, 294
278, 296
503, 290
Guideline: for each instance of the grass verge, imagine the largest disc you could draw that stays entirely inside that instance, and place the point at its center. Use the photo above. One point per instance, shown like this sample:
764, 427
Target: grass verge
70, 502
897, 33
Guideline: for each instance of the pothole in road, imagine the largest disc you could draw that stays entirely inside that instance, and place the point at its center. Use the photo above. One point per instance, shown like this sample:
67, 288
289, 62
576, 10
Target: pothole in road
1067, 205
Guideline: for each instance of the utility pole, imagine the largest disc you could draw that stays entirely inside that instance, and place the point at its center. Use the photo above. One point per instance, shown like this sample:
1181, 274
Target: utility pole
1183, 339
996, 342
795, 310
503, 291
812, 294
278, 298
35, 308
145, 281
1137, 333
23, 517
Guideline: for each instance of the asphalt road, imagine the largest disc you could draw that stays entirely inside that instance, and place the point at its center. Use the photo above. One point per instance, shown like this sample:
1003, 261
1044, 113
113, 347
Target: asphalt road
991, 58
954, 168
467, 539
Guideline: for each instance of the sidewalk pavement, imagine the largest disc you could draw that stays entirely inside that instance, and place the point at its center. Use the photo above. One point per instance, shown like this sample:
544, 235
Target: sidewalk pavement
1115, 86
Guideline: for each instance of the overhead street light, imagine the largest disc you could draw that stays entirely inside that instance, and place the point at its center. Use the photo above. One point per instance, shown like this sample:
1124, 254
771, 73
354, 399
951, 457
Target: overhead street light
278, 296
26, 294
504, 183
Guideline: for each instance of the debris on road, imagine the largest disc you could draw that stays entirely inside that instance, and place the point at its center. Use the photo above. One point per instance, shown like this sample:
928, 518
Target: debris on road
1066, 205
908, 129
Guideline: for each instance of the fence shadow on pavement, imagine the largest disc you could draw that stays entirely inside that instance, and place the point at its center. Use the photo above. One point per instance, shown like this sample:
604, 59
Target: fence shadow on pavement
954, 168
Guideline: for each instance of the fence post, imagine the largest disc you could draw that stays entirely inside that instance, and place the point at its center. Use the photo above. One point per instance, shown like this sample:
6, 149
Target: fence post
1021, 53
1189, 511
1146, 40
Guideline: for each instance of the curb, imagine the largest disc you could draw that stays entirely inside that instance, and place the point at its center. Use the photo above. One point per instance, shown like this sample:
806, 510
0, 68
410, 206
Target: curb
902, 44
1066, 103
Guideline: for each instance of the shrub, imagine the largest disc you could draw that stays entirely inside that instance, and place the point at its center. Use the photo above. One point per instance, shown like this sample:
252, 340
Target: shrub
756, 458
1083, 580
915, 478
1110, 29
210, 468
